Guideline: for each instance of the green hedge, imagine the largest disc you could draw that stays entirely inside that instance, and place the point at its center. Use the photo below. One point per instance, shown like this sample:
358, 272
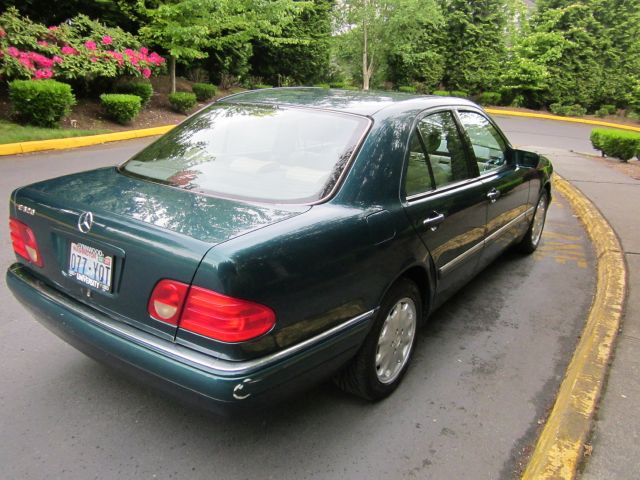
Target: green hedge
204, 91
459, 93
182, 102
407, 89
489, 98
41, 102
262, 86
441, 93
568, 110
144, 90
616, 143
322, 85
121, 107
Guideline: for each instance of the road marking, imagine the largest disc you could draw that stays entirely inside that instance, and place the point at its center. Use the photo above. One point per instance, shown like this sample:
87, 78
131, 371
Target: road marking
562, 249
561, 444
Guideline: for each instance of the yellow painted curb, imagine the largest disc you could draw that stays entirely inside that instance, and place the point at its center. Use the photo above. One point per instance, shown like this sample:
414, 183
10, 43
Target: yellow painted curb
75, 142
561, 444
546, 116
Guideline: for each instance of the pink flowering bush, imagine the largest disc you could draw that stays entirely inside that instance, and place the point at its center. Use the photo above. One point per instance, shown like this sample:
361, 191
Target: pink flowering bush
82, 49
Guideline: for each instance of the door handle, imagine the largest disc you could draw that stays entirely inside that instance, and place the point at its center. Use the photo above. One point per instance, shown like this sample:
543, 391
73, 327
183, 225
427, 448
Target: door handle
493, 195
433, 221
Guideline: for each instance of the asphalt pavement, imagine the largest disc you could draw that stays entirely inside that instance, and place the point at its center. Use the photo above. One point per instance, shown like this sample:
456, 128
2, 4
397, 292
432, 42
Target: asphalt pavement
484, 375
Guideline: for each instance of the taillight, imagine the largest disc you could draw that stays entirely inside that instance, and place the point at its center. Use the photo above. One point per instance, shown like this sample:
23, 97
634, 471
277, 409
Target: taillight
166, 301
24, 242
209, 313
225, 318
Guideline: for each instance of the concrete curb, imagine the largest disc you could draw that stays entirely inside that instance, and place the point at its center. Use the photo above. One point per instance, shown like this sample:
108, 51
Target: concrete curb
546, 116
75, 142
560, 447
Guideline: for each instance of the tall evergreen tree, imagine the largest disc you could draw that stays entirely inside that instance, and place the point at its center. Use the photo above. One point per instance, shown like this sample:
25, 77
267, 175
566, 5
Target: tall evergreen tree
474, 43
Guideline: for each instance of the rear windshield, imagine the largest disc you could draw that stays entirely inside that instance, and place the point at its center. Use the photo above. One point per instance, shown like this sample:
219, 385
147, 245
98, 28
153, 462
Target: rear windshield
256, 152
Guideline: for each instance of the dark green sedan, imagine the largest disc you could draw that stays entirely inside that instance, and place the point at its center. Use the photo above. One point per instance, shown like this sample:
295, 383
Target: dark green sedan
275, 239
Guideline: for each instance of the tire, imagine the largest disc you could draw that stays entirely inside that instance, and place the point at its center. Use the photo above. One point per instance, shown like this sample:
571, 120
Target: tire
382, 361
531, 239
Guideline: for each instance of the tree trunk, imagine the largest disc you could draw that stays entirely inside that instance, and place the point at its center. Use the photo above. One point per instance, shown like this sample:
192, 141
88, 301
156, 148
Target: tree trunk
172, 73
365, 59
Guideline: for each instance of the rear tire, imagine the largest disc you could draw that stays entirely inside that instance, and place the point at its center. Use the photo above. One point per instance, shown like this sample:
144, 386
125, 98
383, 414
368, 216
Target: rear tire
531, 239
382, 361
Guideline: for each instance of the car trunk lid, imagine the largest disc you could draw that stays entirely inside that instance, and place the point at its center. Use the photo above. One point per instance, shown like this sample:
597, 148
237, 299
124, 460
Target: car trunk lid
138, 233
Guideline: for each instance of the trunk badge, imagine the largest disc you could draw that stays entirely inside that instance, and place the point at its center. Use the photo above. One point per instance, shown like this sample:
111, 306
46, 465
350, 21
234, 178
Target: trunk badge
85, 222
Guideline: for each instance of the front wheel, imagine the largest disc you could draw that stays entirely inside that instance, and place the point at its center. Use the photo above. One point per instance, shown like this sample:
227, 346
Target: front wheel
531, 240
377, 369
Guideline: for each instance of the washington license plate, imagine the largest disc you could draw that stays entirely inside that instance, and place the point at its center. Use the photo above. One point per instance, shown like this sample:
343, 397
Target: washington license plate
91, 266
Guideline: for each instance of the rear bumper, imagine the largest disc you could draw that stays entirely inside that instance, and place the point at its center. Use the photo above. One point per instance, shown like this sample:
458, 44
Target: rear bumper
192, 376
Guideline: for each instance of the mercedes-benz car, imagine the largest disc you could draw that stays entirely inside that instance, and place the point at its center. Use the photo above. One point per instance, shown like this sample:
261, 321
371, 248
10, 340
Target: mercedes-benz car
275, 239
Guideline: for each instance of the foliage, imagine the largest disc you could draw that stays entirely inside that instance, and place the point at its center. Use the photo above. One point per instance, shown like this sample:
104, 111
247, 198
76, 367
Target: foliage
459, 93
474, 43
41, 102
261, 86
121, 107
407, 89
575, 110
192, 29
203, 91
322, 85
489, 98
144, 90
441, 93
605, 110
373, 31
305, 56
616, 143
79, 49
12, 133
182, 102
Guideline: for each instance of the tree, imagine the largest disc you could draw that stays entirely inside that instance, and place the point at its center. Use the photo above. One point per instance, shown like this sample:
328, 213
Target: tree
474, 43
188, 28
306, 60
368, 29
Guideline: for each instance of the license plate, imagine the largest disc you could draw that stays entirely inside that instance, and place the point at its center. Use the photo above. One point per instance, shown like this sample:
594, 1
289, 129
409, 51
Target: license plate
91, 266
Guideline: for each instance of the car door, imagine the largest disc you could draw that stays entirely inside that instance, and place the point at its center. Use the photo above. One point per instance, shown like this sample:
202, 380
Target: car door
444, 199
505, 183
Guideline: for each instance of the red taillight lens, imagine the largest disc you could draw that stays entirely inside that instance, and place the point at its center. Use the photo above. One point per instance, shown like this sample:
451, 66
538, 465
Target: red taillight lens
24, 242
225, 318
167, 298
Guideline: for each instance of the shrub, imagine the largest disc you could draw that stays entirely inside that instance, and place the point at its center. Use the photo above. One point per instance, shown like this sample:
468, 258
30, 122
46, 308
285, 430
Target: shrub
182, 102
441, 93
350, 87
337, 84
489, 98
261, 86
322, 85
204, 91
635, 116
121, 107
568, 110
407, 89
616, 143
144, 90
611, 109
41, 102
459, 93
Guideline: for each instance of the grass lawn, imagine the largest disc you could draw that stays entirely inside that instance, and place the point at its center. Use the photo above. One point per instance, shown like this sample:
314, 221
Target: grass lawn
12, 132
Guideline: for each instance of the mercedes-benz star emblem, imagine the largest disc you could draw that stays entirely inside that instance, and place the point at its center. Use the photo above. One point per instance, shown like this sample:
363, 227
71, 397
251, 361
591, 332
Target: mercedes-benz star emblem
85, 222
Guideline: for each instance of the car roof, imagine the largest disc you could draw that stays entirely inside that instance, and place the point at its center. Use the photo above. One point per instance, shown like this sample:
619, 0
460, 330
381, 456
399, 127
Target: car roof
348, 101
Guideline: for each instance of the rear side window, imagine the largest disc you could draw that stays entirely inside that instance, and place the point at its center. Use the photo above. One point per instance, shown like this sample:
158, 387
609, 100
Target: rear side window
437, 155
255, 152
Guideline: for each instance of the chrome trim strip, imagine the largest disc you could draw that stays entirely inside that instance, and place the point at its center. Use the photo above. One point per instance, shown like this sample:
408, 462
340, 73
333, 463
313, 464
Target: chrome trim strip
467, 253
170, 349
460, 258
506, 227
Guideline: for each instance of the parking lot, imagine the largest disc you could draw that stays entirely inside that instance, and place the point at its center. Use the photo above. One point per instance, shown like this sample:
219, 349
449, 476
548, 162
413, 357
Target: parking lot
485, 373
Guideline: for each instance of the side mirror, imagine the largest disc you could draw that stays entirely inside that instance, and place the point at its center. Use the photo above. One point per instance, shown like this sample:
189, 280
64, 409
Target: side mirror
522, 158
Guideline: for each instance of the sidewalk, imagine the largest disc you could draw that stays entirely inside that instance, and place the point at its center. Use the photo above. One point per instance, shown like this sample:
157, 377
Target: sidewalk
616, 433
